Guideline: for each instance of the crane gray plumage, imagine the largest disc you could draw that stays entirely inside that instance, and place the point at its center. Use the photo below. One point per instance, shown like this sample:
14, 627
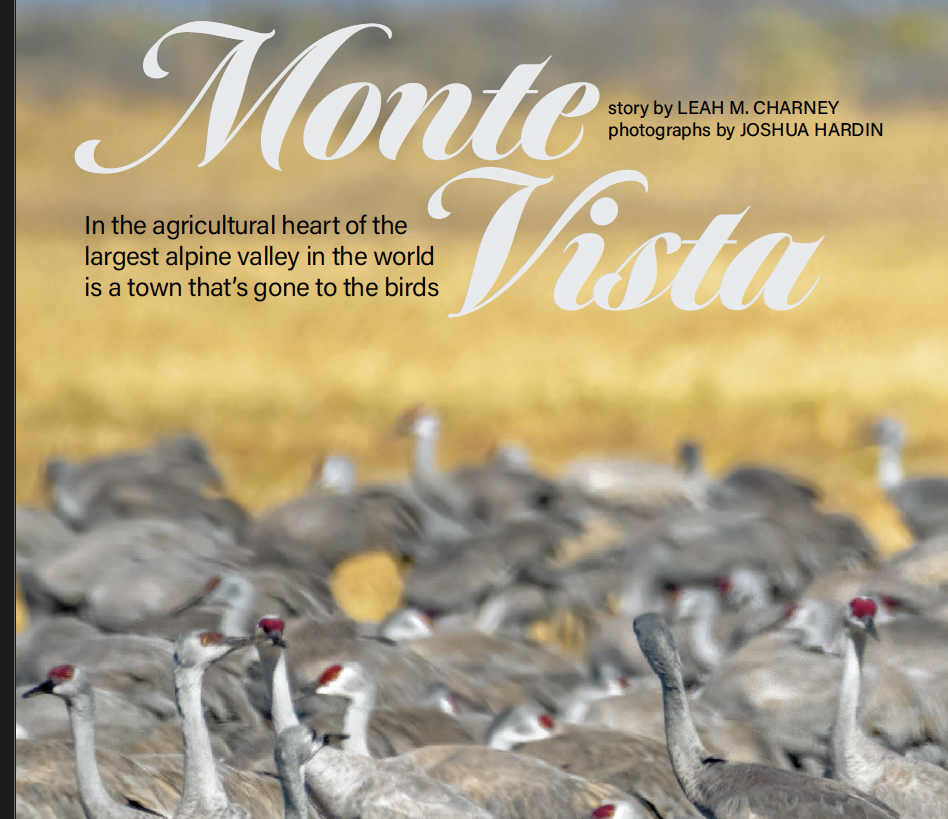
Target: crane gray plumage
722, 789
484, 564
335, 519
922, 501
748, 484
348, 784
511, 785
203, 796
925, 563
636, 765
182, 461
295, 746
388, 731
483, 496
71, 685
135, 668
785, 682
911, 786
518, 724
126, 574
640, 488
639, 711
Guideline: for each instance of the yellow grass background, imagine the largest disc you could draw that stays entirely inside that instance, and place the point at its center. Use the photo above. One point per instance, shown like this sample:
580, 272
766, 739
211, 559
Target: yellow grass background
273, 385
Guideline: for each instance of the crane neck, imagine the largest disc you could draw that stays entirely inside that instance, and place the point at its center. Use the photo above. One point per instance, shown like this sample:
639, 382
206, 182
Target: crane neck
356, 724
493, 612
282, 711
239, 616
704, 644
854, 754
202, 785
685, 749
426, 452
96, 801
635, 593
428, 480
891, 473
295, 804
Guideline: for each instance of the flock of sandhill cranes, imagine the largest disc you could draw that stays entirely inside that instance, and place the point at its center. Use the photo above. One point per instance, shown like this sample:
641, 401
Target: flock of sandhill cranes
747, 654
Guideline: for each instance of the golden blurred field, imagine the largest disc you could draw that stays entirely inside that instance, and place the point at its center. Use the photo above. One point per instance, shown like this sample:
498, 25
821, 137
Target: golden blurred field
271, 385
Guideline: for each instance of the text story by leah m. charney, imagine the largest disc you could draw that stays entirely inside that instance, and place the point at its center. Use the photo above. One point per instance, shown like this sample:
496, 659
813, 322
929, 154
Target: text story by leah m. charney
296, 80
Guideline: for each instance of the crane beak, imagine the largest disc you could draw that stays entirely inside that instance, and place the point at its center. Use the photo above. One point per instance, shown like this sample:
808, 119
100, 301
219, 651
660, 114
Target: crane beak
331, 739
276, 638
239, 642
232, 644
45, 687
190, 603
871, 628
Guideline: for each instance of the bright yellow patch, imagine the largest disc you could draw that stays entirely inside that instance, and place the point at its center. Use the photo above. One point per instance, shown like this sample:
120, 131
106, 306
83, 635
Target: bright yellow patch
367, 586
22, 613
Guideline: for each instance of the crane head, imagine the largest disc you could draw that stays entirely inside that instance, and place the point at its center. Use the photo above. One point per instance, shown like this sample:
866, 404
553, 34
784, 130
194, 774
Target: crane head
271, 629
63, 681
347, 680
419, 420
861, 614
199, 649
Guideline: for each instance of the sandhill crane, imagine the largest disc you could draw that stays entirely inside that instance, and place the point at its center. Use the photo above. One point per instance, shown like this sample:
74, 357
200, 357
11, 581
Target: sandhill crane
911, 786
47, 787
138, 668
518, 724
767, 486
753, 484
156, 497
71, 685
512, 785
785, 682
722, 789
484, 566
506, 784
922, 501
103, 574
335, 519
236, 599
182, 461
517, 667
392, 730
636, 765
477, 496
348, 784
354, 683
787, 548
606, 680
406, 624
644, 490
203, 796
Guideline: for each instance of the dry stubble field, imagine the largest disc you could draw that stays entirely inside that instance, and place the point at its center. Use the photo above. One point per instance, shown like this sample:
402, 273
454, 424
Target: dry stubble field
271, 385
